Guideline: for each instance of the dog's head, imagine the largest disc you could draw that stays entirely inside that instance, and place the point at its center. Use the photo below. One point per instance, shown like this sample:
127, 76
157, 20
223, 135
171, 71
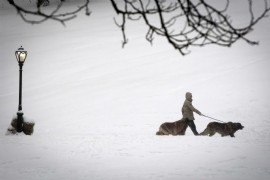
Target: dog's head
235, 126
239, 126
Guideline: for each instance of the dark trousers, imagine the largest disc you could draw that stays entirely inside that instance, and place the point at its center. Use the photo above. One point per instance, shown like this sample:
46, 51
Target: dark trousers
192, 127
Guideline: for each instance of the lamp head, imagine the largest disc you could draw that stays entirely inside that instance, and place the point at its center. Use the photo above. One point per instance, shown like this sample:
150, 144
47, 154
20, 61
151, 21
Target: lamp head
21, 55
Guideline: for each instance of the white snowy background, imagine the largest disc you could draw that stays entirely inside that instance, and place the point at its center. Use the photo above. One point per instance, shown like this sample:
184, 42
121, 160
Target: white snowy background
97, 106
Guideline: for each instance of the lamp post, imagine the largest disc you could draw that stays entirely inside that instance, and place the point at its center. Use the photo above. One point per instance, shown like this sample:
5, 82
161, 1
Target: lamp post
21, 55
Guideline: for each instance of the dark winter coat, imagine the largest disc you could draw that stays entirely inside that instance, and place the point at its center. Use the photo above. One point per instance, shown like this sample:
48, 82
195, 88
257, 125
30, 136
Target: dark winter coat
188, 109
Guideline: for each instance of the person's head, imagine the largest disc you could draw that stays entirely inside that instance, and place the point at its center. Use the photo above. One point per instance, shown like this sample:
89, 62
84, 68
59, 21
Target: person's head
189, 96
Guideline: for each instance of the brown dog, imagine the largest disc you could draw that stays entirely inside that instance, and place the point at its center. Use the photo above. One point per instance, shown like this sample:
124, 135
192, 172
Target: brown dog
224, 129
173, 128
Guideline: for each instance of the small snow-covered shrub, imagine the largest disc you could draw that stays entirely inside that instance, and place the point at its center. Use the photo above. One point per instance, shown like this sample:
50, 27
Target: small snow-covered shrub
11, 130
27, 127
14, 122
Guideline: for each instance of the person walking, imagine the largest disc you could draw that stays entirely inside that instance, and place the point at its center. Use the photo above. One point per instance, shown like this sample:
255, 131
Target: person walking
187, 112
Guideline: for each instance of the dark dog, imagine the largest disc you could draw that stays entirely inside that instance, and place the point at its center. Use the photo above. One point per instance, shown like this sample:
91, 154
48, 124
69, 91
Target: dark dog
224, 129
173, 128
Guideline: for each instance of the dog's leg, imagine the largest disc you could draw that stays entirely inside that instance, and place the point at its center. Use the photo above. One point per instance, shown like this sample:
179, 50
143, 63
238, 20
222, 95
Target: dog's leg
204, 133
159, 133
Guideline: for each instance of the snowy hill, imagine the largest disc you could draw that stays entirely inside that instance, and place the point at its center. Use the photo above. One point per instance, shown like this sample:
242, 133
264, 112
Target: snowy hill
97, 106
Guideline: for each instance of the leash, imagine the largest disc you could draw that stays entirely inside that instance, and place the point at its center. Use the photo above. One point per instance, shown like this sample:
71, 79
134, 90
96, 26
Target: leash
213, 118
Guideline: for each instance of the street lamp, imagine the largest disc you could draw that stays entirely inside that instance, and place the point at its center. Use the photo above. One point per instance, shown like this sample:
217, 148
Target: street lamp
21, 55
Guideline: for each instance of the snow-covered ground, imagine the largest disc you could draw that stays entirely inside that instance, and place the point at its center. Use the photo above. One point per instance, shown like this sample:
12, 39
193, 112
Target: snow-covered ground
97, 106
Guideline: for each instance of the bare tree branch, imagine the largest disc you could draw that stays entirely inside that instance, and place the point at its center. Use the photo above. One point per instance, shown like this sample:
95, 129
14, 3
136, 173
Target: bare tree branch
186, 23
54, 15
